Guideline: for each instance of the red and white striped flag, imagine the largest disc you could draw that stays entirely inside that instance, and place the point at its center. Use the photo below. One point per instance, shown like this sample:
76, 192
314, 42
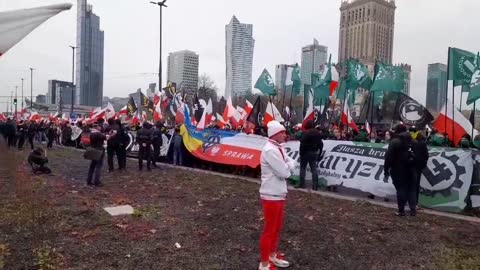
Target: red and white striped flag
347, 119
17, 24
445, 123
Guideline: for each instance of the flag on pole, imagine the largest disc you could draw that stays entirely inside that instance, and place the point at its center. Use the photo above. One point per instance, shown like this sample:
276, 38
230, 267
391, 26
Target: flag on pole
461, 66
445, 123
367, 127
255, 115
388, 78
123, 110
265, 84
131, 106
347, 119
310, 110
248, 107
109, 111
272, 113
17, 24
297, 81
474, 85
157, 114
357, 75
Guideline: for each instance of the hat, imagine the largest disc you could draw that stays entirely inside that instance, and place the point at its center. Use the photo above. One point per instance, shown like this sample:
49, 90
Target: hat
274, 127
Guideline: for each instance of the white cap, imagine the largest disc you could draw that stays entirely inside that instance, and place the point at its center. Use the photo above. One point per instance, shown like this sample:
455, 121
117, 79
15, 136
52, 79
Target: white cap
274, 127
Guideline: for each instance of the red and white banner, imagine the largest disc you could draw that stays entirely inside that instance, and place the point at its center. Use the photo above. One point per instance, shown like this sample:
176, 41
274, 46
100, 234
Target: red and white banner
17, 24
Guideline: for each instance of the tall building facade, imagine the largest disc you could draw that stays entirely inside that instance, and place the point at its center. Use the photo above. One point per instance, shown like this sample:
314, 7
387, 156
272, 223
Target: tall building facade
313, 57
89, 60
436, 87
59, 92
183, 69
366, 30
282, 74
239, 45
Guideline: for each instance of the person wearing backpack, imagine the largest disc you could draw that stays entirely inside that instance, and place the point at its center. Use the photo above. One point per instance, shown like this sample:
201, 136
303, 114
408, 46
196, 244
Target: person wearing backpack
401, 165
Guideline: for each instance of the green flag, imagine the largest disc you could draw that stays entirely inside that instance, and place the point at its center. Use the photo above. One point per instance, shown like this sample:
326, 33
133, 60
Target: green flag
321, 88
461, 66
388, 78
474, 86
342, 90
297, 82
357, 75
265, 84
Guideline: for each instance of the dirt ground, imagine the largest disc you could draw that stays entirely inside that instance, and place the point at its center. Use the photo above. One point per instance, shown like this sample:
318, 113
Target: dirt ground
56, 222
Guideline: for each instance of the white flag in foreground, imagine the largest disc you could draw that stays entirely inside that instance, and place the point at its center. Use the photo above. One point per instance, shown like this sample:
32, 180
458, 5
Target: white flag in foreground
17, 24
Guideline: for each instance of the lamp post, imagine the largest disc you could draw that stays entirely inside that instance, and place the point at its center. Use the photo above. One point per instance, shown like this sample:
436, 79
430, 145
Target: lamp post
73, 76
31, 88
160, 5
22, 93
16, 101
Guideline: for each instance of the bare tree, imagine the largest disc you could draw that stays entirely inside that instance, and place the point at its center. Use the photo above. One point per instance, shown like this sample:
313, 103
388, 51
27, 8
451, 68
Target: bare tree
205, 81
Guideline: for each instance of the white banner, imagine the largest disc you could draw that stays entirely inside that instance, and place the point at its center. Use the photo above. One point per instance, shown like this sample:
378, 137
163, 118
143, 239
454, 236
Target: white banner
444, 185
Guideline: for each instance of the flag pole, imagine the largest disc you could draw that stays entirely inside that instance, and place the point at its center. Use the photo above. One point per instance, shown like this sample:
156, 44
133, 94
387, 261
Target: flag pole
474, 114
461, 99
453, 115
446, 89
273, 113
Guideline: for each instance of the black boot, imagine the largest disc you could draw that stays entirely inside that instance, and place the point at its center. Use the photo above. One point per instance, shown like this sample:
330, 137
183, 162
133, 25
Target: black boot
314, 185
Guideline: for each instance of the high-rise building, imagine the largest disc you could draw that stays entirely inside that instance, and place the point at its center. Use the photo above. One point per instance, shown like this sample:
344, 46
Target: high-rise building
436, 87
183, 69
366, 30
59, 92
313, 57
89, 60
282, 74
239, 44
42, 99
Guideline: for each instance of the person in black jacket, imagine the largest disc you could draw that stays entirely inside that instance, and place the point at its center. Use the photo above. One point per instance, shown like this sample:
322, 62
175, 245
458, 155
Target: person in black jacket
311, 146
122, 141
97, 139
112, 143
144, 139
32, 130
157, 142
38, 160
421, 160
22, 133
400, 163
51, 130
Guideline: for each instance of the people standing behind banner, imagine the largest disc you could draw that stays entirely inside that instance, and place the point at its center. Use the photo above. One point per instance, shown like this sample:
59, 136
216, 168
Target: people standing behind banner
276, 167
157, 142
311, 147
32, 130
144, 140
97, 139
401, 165
21, 134
51, 130
177, 148
337, 135
388, 137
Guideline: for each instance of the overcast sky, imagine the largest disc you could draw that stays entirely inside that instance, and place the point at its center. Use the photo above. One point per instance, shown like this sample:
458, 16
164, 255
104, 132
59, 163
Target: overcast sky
424, 29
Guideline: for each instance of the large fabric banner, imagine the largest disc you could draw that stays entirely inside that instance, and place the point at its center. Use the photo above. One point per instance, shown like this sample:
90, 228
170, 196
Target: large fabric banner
445, 182
223, 147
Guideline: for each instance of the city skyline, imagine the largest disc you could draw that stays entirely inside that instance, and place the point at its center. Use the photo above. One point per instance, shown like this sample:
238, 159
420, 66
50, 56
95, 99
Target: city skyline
182, 69
129, 65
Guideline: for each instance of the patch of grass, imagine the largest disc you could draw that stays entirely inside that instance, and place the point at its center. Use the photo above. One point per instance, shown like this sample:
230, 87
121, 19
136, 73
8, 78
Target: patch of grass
46, 258
456, 258
137, 213
4, 252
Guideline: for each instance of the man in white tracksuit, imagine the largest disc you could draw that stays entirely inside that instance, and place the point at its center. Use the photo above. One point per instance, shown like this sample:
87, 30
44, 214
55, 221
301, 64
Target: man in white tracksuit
276, 166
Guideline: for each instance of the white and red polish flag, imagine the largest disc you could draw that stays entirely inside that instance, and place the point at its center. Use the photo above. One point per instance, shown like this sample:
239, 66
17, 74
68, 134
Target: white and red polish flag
445, 123
347, 119
17, 24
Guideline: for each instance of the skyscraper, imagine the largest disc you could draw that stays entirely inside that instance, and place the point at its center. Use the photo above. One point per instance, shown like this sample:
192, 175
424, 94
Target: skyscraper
239, 44
436, 86
282, 74
59, 92
313, 57
366, 30
89, 60
183, 69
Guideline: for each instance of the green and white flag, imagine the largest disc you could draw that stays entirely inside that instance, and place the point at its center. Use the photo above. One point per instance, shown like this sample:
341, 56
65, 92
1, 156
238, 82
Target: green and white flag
321, 88
461, 66
357, 75
474, 86
297, 81
265, 84
388, 78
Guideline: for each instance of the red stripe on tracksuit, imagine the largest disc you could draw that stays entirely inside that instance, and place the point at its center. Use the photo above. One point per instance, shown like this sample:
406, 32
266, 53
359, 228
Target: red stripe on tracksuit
273, 216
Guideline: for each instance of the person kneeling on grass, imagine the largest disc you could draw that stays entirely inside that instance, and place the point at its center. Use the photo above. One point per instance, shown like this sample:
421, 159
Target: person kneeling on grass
38, 160
276, 166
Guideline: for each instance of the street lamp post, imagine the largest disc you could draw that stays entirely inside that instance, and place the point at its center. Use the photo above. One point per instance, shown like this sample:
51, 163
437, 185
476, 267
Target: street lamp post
16, 101
160, 5
31, 88
73, 76
22, 94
